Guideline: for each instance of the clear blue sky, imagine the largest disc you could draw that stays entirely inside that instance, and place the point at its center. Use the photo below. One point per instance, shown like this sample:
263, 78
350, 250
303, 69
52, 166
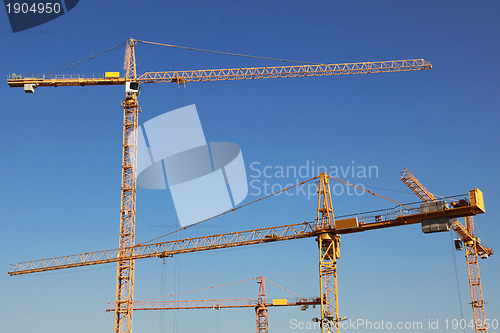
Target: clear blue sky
61, 155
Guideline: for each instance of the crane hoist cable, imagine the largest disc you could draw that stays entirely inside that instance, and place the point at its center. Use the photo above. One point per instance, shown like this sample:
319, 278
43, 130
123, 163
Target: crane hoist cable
230, 53
65, 67
270, 195
372, 193
219, 286
277, 285
177, 281
229, 211
202, 289
476, 228
163, 290
456, 276
389, 189
406, 192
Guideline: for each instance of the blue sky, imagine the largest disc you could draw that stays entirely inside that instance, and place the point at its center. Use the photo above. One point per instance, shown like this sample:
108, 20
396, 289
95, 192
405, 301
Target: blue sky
61, 155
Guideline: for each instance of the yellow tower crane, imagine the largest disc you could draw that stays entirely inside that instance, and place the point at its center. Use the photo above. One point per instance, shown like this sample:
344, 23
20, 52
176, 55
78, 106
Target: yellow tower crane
260, 304
325, 229
126, 251
473, 248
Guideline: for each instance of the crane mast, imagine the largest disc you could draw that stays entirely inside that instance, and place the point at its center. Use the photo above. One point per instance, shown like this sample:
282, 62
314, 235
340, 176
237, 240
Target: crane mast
473, 247
124, 297
476, 290
328, 244
261, 309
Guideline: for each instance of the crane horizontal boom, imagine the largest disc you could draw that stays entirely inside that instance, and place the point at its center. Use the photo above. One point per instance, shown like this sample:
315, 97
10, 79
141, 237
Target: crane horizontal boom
213, 304
183, 77
284, 71
401, 215
165, 249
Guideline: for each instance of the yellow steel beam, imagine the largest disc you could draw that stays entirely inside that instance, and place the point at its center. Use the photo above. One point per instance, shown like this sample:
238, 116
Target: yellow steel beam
413, 218
164, 249
182, 77
328, 244
126, 268
285, 71
476, 199
476, 290
193, 304
229, 303
473, 247
66, 81
227, 240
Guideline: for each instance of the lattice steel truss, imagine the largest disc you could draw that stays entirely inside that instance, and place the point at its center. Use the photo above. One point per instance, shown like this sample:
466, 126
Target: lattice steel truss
124, 297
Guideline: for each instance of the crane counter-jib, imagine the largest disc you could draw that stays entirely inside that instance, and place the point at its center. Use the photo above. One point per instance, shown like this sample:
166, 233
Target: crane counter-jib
64, 82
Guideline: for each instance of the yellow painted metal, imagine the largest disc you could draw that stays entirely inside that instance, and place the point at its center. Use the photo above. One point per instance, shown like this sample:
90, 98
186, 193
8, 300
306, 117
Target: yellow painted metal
328, 241
328, 254
417, 188
66, 80
476, 290
476, 199
252, 73
183, 77
324, 217
477, 205
328, 237
230, 303
328, 244
261, 311
260, 305
472, 244
221, 241
280, 301
111, 74
126, 268
346, 223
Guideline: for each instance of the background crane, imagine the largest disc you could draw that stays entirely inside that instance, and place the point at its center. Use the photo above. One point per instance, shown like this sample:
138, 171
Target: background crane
473, 248
126, 268
260, 304
325, 228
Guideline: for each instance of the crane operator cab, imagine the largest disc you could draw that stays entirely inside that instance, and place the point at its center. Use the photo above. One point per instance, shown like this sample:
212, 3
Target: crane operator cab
131, 88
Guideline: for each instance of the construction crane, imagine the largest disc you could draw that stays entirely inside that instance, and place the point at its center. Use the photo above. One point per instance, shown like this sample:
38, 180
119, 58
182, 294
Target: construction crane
260, 304
473, 248
125, 268
325, 228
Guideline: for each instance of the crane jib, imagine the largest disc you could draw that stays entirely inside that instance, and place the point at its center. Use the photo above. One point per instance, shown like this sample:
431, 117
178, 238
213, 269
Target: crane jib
234, 239
30, 82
